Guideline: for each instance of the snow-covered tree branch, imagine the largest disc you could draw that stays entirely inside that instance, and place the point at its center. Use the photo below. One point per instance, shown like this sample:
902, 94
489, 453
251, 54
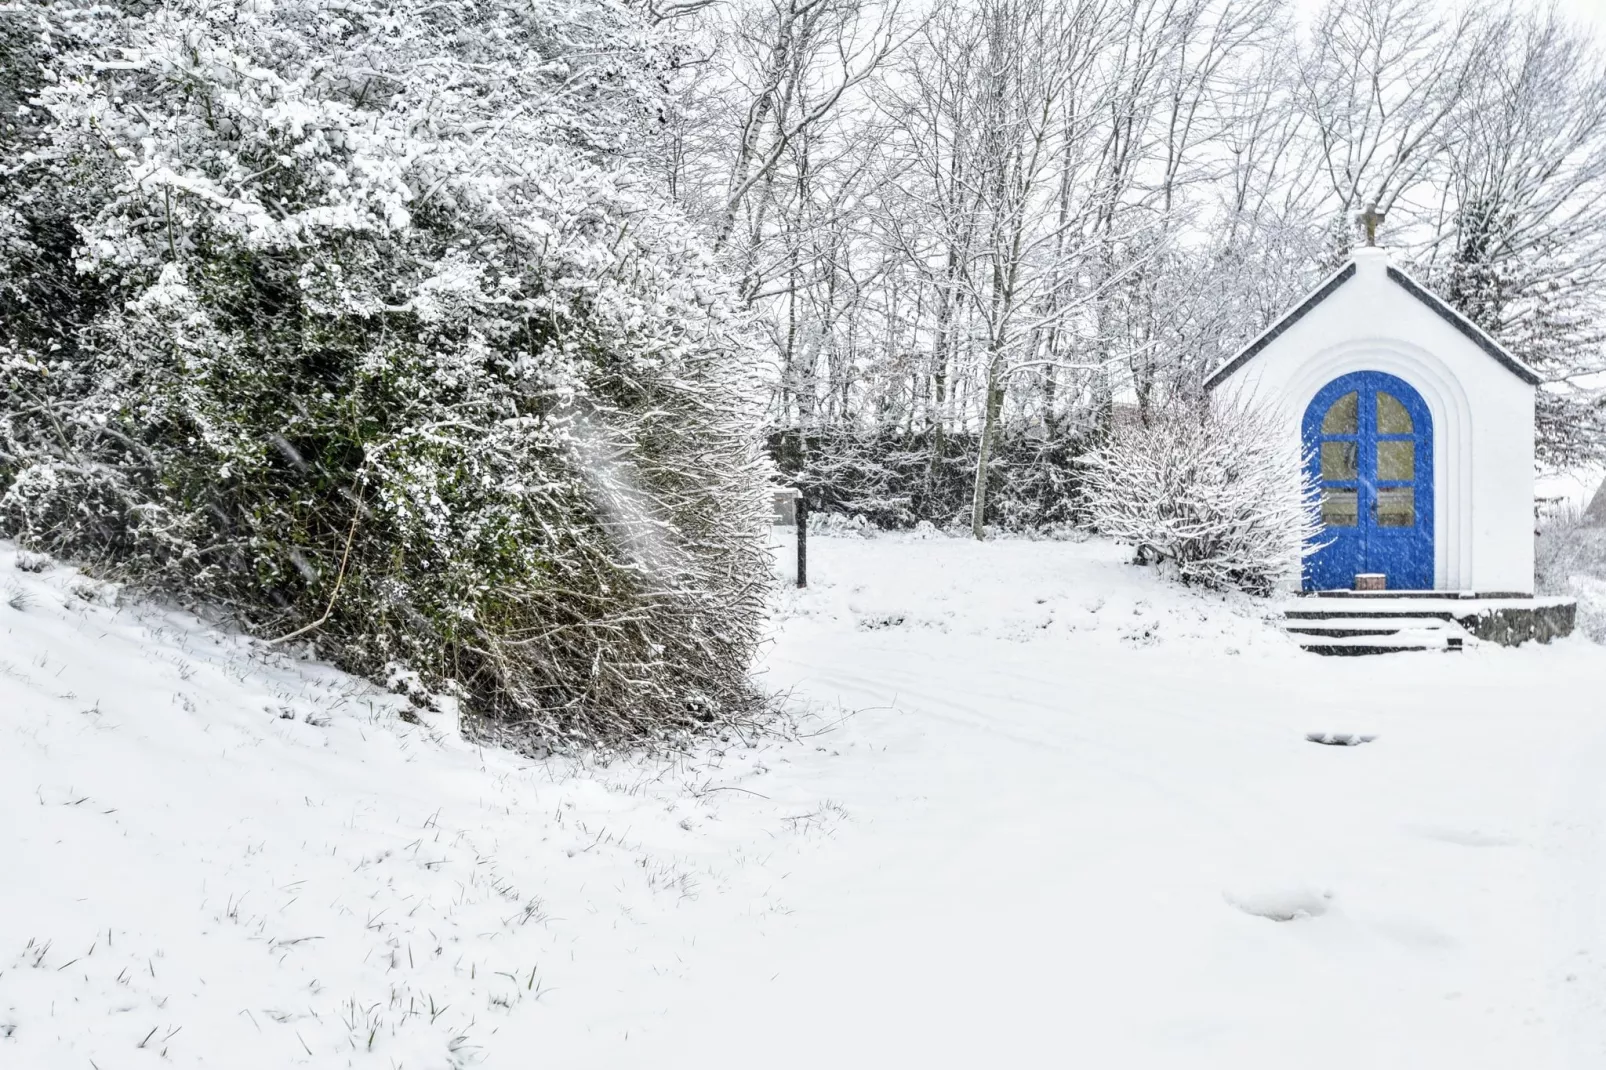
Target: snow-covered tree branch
399, 340
1218, 495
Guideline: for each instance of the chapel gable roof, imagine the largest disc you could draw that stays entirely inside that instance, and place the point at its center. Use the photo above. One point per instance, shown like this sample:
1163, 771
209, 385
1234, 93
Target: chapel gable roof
1466, 327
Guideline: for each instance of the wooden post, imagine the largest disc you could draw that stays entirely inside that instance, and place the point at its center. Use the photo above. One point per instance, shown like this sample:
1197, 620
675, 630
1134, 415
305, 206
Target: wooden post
801, 509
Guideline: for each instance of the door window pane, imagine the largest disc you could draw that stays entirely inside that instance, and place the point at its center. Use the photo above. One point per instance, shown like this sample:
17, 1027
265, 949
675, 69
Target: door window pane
1339, 507
1396, 507
1392, 419
1396, 460
1338, 460
1340, 419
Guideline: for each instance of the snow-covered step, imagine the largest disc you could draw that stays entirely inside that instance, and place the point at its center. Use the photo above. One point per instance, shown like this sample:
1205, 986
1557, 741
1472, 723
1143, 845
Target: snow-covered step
1342, 627
1506, 619
1399, 643
1394, 612
1345, 631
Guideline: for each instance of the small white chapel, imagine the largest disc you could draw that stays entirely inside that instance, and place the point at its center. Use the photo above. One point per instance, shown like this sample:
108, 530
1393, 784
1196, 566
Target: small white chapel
1418, 426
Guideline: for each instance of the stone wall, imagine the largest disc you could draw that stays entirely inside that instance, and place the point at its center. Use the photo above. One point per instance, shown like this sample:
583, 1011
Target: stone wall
1513, 625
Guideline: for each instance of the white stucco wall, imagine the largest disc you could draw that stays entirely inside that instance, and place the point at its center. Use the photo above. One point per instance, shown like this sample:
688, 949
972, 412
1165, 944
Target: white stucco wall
1483, 416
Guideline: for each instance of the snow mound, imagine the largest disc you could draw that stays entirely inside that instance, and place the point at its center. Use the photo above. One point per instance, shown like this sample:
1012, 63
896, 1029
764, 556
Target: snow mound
1282, 904
219, 855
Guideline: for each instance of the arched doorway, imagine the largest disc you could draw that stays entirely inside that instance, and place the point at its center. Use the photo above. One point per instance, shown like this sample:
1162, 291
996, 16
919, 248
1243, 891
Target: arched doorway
1369, 439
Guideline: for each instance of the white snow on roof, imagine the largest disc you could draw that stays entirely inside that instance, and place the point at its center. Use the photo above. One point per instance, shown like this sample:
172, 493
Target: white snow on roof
1308, 302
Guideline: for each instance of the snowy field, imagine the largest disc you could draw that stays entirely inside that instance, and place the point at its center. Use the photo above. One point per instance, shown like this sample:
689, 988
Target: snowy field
1042, 810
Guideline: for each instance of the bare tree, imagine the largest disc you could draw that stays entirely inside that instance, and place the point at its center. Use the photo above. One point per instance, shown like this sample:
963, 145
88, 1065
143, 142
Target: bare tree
803, 57
1522, 245
1034, 213
1380, 82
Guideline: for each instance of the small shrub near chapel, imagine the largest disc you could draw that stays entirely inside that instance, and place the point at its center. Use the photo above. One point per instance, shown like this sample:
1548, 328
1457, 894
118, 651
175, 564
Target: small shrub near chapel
1214, 495
1570, 560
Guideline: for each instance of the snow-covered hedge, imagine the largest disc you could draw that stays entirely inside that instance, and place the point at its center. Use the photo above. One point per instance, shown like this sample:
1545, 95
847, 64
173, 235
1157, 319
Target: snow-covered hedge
392, 348
896, 479
1214, 494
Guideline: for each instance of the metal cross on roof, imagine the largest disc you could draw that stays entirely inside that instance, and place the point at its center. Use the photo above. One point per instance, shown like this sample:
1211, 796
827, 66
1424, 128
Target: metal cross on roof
1372, 219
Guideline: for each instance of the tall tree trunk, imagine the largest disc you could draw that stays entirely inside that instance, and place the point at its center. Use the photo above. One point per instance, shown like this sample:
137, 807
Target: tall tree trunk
938, 400
989, 423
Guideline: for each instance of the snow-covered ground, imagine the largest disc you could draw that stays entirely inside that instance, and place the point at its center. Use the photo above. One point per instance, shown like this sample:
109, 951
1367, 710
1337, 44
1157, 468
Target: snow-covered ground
1044, 810
213, 856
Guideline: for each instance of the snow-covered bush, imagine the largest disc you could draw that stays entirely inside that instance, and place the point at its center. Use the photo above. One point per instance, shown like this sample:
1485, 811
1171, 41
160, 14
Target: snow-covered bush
1214, 494
403, 354
1570, 559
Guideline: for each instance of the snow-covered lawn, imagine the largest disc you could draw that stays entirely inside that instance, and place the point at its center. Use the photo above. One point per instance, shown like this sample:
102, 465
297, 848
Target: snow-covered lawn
215, 857
1046, 811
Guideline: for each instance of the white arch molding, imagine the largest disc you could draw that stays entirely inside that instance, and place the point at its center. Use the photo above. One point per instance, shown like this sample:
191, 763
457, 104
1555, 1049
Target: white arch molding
1452, 434
1453, 430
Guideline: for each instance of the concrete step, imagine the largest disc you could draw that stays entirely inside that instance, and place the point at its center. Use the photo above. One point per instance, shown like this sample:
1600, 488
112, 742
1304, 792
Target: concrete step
1459, 596
1344, 626
1358, 645
1372, 628
1494, 617
1364, 612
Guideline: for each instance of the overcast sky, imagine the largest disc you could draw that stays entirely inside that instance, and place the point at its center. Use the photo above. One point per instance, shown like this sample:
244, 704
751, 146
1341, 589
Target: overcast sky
1594, 9
1592, 12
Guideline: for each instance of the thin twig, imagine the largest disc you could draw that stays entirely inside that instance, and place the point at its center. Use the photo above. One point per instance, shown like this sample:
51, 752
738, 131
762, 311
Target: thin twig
340, 576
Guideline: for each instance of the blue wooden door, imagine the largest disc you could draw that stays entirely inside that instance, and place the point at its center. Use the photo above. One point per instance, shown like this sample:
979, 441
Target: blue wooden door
1369, 439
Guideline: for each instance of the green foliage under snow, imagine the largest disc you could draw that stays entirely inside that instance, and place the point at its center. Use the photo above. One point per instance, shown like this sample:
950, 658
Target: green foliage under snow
364, 325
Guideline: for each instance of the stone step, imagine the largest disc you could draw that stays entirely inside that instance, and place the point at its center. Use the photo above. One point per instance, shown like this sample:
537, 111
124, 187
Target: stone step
1373, 628
1495, 618
1344, 627
1454, 596
1354, 646
1363, 612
